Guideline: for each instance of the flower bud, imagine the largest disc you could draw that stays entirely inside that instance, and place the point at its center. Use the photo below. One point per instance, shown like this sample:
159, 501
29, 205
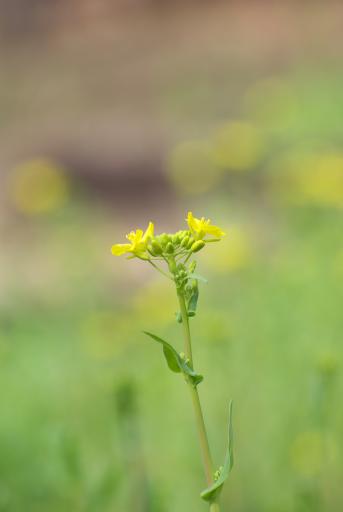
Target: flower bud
164, 239
197, 246
179, 317
156, 247
172, 264
175, 239
151, 250
190, 242
192, 267
170, 248
185, 241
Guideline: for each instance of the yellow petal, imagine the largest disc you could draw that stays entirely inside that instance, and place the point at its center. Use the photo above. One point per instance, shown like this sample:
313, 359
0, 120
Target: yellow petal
119, 249
149, 233
202, 227
135, 236
192, 222
214, 230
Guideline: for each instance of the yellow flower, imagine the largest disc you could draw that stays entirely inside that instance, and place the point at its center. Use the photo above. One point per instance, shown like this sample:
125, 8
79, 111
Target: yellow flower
201, 227
138, 243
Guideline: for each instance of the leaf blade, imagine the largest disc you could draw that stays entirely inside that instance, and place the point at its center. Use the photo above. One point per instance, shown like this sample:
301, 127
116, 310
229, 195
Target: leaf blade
213, 491
175, 362
172, 357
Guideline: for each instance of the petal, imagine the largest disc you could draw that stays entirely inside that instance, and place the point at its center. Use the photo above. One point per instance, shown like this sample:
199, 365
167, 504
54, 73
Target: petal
119, 249
135, 236
214, 230
192, 222
149, 233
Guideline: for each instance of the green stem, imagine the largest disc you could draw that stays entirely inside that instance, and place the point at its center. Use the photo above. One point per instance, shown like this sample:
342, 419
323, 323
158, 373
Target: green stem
214, 507
199, 418
159, 269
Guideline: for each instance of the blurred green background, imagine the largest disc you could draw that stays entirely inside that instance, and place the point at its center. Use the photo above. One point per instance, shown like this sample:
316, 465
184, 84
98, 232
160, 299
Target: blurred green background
117, 113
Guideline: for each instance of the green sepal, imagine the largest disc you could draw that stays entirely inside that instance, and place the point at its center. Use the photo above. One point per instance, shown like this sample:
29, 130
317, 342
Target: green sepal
211, 493
176, 363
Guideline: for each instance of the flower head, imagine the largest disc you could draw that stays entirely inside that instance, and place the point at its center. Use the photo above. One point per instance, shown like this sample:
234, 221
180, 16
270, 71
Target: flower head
138, 243
201, 227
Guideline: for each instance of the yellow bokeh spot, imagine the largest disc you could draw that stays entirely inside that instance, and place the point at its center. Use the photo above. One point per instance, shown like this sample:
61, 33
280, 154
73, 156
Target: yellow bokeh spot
310, 178
232, 254
238, 146
38, 187
310, 450
325, 184
191, 168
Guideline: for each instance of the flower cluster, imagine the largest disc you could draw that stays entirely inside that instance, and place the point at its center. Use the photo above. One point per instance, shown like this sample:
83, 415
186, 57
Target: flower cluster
170, 247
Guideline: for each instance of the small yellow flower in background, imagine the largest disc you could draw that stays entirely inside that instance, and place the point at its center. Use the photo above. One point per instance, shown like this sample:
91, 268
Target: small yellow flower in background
138, 245
201, 227
238, 146
38, 187
191, 168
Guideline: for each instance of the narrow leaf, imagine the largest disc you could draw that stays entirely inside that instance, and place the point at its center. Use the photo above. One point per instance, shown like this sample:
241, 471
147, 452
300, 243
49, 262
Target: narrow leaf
175, 362
172, 357
212, 492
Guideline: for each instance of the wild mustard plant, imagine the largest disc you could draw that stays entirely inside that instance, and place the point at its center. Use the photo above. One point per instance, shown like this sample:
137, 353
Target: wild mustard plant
176, 251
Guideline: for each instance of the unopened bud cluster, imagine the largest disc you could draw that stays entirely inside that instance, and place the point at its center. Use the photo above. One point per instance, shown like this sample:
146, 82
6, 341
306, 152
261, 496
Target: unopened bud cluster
181, 242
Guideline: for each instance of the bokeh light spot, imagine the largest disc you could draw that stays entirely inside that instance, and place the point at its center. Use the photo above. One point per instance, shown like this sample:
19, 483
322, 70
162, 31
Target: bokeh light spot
309, 178
191, 167
38, 186
238, 146
234, 254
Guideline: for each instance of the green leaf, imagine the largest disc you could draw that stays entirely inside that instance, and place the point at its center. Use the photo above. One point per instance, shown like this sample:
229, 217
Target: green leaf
198, 277
175, 362
195, 378
212, 492
172, 357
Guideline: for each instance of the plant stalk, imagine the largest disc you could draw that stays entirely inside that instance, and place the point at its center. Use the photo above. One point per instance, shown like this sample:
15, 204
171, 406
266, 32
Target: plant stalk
214, 506
199, 418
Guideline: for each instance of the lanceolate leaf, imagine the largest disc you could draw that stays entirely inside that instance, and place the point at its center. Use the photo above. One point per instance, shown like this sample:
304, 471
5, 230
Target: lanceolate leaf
172, 357
212, 492
175, 362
